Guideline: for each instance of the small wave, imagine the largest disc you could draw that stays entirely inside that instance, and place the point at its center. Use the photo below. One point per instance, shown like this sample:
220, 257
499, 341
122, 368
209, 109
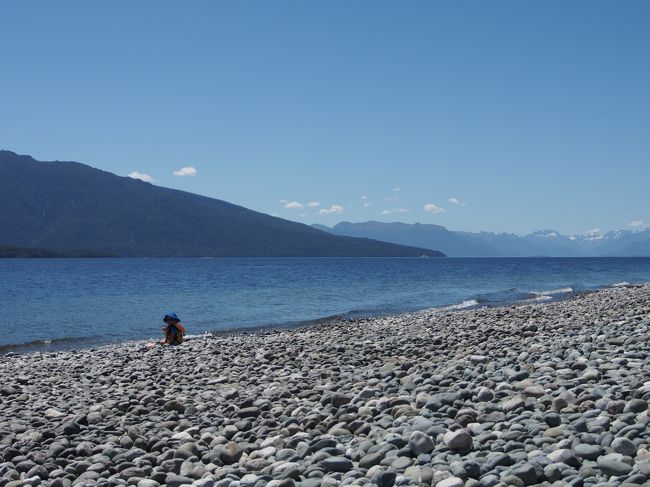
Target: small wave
542, 297
503, 296
551, 292
621, 284
465, 304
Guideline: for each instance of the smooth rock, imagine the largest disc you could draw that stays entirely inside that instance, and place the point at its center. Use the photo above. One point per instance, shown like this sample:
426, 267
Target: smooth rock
420, 443
458, 440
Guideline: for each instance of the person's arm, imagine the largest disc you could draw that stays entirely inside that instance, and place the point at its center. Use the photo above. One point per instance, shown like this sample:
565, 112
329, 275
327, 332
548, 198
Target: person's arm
165, 330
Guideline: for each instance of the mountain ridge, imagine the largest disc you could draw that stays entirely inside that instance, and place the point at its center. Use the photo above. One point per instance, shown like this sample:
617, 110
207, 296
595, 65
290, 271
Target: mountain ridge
63, 204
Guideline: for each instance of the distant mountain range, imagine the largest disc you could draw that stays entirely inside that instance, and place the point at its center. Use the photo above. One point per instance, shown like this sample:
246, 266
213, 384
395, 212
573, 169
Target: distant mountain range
68, 205
486, 244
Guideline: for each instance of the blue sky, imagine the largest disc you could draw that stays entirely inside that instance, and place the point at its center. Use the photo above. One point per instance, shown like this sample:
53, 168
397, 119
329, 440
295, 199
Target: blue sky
529, 114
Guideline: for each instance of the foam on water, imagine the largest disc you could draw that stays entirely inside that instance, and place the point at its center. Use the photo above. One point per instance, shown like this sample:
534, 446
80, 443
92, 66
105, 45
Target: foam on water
621, 284
542, 297
469, 303
552, 292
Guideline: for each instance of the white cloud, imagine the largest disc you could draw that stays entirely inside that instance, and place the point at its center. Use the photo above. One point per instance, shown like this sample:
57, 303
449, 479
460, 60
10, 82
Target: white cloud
142, 177
331, 209
636, 223
457, 202
284, 202
364, 197
186, 171
366, 204
593, 231
395, 210
397, 189
392, 198
431, 208
294, 204
313, 204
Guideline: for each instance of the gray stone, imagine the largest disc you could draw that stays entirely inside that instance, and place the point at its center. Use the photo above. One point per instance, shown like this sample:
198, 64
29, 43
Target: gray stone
637, 405
339, 399
458, 440
370, 460
484, 394
553, 419
420, 443
337, 464
564, 455
489, 480
624, 446
553, 472
231, 453
527, 473
148, 483
451, 482
384, 478
615, 407
8, 391
586, 451
613, 467
281, 483
52, 413
514, 404
175, 405
591, 375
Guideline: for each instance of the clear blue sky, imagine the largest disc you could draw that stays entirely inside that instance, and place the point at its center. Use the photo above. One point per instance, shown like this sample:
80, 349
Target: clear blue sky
532, 114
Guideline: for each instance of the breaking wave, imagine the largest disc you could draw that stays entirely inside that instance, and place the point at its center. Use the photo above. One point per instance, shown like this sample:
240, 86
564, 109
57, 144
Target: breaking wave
469, 303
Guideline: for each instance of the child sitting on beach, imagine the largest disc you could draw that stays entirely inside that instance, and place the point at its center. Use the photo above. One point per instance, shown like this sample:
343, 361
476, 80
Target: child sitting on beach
174, 331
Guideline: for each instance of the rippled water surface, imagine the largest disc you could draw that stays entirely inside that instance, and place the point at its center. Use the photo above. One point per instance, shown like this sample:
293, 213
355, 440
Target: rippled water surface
53, 303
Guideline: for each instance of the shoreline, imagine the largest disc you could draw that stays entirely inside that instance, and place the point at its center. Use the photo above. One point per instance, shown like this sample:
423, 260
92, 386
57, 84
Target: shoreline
90, 342
549, 393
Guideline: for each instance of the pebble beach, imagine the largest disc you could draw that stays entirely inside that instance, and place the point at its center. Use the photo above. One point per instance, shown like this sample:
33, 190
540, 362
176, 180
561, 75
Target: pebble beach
543, 394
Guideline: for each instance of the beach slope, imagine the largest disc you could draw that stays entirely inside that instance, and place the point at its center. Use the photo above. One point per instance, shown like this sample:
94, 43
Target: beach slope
541, 393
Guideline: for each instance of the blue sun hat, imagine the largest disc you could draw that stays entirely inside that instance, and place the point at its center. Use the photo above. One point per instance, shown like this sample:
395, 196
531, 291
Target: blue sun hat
170, 315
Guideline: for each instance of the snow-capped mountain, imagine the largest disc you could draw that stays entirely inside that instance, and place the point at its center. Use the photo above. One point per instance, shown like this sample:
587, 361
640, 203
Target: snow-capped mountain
550, 243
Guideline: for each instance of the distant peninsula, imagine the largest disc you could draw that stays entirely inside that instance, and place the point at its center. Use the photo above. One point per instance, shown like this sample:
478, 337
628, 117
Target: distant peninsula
10, 252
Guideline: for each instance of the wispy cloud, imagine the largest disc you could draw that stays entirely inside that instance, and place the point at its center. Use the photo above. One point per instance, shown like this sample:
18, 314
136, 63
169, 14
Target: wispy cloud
635, 223
294, 204
332, 209
397, 189
364, 197
313, 204
186, 171
431, 208
142, 177
457, 202
366, 204
395, 210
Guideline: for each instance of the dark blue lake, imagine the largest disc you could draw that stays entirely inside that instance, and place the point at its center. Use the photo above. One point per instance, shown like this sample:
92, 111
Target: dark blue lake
54, 303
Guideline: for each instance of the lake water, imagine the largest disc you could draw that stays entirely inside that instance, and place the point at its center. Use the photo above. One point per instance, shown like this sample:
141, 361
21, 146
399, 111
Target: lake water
50, 304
